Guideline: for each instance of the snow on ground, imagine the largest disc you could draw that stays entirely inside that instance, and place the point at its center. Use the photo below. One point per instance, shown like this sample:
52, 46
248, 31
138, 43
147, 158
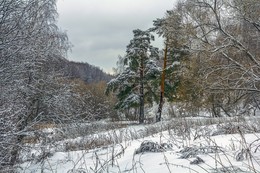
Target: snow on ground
236, 152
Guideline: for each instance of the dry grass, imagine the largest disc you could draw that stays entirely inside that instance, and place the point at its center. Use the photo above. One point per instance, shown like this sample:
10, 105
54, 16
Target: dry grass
42, 126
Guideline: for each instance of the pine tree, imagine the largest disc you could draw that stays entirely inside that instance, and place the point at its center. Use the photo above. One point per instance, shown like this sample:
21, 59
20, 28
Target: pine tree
170, 28
132, 84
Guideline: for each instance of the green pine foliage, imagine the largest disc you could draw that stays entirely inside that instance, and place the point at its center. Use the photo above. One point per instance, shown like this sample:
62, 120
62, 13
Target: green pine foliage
140, 71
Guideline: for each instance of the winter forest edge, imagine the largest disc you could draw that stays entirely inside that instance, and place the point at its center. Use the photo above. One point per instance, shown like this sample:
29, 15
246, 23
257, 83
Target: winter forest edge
207, 75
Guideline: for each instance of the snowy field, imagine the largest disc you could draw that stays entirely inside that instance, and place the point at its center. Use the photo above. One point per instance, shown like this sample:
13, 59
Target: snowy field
186, 145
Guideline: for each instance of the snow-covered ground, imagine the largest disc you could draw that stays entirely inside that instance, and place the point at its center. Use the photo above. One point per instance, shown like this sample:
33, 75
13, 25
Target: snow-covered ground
225, 147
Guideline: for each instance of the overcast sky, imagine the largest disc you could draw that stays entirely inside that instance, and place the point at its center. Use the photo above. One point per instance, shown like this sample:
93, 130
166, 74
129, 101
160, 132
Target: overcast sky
100, 30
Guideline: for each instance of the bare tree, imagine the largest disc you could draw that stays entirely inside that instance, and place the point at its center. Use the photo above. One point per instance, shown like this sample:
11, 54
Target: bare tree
227, 32
30, 46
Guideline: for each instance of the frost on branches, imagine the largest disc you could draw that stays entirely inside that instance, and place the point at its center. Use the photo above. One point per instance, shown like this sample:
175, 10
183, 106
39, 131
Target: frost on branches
131, 85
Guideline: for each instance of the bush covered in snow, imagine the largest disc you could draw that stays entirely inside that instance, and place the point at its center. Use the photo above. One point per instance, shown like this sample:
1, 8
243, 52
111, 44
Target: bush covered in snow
150, 146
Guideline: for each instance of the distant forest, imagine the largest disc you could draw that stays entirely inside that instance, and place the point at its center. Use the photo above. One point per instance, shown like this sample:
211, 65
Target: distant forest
84, 71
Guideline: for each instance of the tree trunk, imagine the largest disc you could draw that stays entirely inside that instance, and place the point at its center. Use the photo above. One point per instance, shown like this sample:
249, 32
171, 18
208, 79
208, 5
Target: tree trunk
141, 113
159, 112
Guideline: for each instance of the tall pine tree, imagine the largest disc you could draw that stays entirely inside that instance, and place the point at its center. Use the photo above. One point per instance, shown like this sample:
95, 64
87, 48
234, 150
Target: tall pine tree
132, 84
171, 29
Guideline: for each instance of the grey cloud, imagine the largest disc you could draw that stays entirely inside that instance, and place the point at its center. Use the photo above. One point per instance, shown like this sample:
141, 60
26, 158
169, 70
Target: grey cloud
101, 29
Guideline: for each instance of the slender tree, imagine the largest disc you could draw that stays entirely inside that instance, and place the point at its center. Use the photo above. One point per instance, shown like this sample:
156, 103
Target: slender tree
159, 112
171, 29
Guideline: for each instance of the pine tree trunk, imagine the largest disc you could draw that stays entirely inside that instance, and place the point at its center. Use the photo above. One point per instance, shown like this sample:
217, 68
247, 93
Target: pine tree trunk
159, 112
141, 113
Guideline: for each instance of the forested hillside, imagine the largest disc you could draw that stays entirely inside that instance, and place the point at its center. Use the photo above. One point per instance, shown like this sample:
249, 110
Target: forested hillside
85, 72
